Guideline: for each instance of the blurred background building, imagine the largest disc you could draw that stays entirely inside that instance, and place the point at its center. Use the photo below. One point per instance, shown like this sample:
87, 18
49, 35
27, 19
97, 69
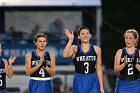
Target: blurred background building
107, 20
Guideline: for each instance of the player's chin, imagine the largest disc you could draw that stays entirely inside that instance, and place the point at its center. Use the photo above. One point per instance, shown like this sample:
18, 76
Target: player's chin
42, 49
128, 46
85, 41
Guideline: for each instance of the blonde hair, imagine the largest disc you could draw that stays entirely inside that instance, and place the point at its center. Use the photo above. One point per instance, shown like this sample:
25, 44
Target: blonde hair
135, 34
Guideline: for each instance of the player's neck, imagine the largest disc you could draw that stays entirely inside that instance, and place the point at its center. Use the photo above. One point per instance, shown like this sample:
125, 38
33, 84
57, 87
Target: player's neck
40, 52
85, 45
130, 49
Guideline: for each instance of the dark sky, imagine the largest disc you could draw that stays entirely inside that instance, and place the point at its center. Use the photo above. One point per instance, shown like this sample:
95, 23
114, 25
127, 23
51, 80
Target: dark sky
118, 16
123, 14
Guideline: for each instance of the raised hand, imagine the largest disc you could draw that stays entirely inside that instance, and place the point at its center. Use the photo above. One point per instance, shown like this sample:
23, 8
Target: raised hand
69, 34
12, 59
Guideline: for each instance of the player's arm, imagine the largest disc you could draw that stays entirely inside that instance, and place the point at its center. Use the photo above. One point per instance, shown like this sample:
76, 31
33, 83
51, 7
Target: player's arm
117, 66
30, 70
9, 67
99, 67
138, 63
6, 67
51, 69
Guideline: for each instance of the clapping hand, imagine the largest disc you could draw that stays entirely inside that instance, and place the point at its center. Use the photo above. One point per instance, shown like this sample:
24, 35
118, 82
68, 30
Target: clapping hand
41, 59
0, 49
125, 59
134, 61
44, 63
12, 59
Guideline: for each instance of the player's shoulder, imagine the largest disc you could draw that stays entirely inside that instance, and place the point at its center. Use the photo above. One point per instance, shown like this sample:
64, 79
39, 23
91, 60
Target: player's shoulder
28, 53
51, 54
119, 51
138, 49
